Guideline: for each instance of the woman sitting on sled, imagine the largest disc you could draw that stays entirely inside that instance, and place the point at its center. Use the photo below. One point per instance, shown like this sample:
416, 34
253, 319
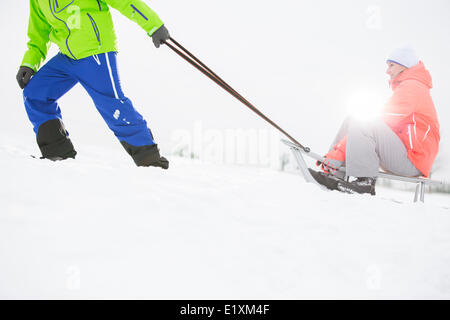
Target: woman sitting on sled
403, 141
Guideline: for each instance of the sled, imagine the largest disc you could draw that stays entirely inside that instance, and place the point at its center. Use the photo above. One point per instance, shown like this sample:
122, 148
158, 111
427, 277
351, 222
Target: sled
298, 153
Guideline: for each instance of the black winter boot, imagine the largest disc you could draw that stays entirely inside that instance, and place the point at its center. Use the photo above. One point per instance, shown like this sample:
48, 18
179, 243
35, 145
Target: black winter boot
360, 185
324, 179
52, 139
146, 156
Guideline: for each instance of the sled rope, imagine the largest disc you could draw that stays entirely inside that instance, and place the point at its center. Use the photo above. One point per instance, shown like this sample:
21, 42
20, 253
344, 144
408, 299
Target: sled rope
189, 57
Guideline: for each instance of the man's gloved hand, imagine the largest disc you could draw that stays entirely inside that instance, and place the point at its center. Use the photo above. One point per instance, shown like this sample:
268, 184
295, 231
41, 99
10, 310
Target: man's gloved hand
24, 75
160, 36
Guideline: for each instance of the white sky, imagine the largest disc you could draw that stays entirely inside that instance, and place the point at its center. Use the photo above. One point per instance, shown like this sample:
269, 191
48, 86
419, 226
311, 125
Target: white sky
298, 61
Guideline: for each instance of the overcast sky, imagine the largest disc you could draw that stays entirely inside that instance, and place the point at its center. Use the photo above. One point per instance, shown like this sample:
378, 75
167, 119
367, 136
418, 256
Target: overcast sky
300, 62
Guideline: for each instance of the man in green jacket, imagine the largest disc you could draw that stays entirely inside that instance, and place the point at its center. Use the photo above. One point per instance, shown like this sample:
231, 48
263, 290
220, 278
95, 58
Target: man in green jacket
84, 33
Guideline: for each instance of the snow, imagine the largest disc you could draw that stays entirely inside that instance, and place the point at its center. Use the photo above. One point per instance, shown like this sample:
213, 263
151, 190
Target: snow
98, 227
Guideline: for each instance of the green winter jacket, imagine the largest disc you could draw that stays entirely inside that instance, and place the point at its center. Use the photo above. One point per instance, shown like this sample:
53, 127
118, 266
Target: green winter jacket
80, 28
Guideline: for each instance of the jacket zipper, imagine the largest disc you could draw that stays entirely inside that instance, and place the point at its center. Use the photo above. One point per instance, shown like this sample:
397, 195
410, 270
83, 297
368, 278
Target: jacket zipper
426, 133
67, 39
136, 9
96, 31
410, 138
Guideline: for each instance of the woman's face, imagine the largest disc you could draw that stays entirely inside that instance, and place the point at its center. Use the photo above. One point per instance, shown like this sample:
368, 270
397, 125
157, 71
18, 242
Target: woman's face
394, 69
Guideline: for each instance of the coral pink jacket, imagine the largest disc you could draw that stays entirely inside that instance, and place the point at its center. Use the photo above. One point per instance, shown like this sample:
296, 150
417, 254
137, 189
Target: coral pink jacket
411, 114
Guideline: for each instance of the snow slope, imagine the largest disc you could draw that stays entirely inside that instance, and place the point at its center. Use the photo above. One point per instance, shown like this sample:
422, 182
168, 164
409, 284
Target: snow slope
98, 227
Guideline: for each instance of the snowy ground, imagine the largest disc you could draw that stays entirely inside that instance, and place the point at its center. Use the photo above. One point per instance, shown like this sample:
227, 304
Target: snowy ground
98, 227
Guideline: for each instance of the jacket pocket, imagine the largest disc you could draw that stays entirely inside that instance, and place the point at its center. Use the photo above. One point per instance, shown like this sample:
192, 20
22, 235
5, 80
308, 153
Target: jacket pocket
61, 5
95, 28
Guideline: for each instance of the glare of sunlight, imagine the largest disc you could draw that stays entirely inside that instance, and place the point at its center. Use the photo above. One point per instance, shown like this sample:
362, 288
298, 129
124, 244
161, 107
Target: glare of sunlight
364, 105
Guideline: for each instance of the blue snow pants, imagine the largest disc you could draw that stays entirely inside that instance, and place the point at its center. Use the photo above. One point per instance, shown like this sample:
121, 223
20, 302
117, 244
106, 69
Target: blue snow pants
99, 76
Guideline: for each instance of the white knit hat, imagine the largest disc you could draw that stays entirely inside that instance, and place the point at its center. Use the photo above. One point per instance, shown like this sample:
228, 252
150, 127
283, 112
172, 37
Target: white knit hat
406, 56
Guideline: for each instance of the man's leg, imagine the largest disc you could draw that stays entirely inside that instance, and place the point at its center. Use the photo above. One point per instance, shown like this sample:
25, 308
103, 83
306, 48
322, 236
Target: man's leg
99, 76
371, 145
41, 94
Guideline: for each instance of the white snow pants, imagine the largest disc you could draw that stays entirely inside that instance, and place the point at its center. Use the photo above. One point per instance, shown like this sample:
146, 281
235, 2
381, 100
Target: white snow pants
371, 145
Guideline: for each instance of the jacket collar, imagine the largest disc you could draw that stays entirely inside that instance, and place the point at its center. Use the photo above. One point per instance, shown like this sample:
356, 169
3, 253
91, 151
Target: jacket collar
418, 72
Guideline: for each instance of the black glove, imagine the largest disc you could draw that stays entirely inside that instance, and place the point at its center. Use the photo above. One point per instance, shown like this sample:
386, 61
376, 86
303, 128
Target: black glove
160, 36
24, 75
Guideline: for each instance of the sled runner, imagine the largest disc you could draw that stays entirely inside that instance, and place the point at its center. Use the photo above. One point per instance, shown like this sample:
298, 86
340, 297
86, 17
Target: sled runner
298, 153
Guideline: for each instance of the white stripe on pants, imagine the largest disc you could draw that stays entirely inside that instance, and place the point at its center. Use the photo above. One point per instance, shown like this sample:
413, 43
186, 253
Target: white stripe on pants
371, 145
